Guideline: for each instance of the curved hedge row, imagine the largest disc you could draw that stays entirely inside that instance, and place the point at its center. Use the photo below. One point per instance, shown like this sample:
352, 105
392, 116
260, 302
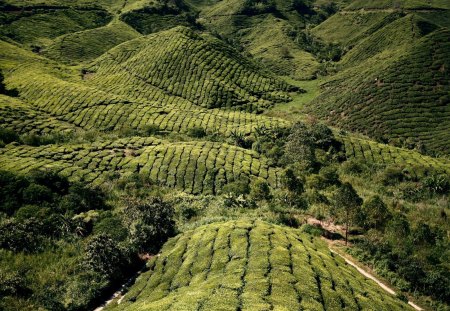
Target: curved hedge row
243, 265
194, 167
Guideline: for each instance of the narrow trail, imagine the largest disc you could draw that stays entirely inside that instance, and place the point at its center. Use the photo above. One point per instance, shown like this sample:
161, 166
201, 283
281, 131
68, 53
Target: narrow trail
373, 278
338, 229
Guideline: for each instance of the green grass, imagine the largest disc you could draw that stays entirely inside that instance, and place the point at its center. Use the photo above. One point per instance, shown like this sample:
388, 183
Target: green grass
248, 265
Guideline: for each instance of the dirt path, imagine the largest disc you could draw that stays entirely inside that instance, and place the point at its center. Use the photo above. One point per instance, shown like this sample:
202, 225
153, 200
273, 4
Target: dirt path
373, 278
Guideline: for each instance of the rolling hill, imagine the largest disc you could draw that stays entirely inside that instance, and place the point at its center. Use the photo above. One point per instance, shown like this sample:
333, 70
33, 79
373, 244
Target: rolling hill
248, 265
128, 123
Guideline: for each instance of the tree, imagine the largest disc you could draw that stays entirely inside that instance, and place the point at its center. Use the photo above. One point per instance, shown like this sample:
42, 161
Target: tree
103, 257
374, 214
292, 182
347, 204
299, 147
150, 223
260, 190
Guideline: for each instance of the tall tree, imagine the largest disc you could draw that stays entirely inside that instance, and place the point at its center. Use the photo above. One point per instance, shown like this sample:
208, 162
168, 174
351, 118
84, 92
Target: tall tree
347, 204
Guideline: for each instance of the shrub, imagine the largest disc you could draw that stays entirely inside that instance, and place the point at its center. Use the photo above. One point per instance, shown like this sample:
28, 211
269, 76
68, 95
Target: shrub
260, 190
103, 257
289, 220
36, 193
354, 167
437, 183
374, 214
150, 223
13, 284
197, 132
299, 147
238, 187
392, 175
313, 230
8, 135
291, 182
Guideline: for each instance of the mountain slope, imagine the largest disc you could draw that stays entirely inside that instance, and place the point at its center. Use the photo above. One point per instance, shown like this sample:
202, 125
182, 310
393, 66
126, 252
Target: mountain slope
252, 266
402, 97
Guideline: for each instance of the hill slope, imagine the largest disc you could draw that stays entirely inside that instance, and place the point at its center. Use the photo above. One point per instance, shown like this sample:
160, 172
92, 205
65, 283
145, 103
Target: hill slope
242, 265
401, 96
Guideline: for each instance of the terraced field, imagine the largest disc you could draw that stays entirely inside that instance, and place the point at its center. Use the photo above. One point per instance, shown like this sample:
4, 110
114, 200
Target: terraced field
243, 265
265, 30
346, 28
373, 152
403, 97
194, 167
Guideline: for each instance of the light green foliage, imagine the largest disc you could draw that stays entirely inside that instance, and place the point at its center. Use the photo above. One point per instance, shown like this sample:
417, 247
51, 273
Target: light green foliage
347, 27
35, 26
87, 45
371, 152
399, 4
252, 266
268, 35
23, 119
223, 80
195, 167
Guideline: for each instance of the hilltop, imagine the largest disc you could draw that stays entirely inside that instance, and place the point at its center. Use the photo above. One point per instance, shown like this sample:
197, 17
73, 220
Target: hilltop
252, 266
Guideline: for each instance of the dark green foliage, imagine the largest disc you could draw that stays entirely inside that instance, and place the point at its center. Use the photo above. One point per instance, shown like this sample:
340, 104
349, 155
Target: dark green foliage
347, 204
256, 7
8, 136
197, 132
292, 182
374, 214
22, 236
299, 147
438, 183
237, 187
289, 220
392, 175
260, 190
164, 15
13, 284
150, 223
103, 257
313, 230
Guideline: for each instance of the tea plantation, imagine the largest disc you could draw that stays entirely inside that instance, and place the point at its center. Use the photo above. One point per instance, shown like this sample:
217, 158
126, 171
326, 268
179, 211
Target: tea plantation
252, 266
224, 155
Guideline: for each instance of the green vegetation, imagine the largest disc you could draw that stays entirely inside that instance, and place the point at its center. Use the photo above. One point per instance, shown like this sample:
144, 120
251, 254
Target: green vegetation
401, 100
190, 166
190, 139
252, 266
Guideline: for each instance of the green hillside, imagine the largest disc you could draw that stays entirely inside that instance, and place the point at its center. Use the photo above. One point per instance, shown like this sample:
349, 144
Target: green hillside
228, 150
401, 96
252, 266
267, 30
194, 167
